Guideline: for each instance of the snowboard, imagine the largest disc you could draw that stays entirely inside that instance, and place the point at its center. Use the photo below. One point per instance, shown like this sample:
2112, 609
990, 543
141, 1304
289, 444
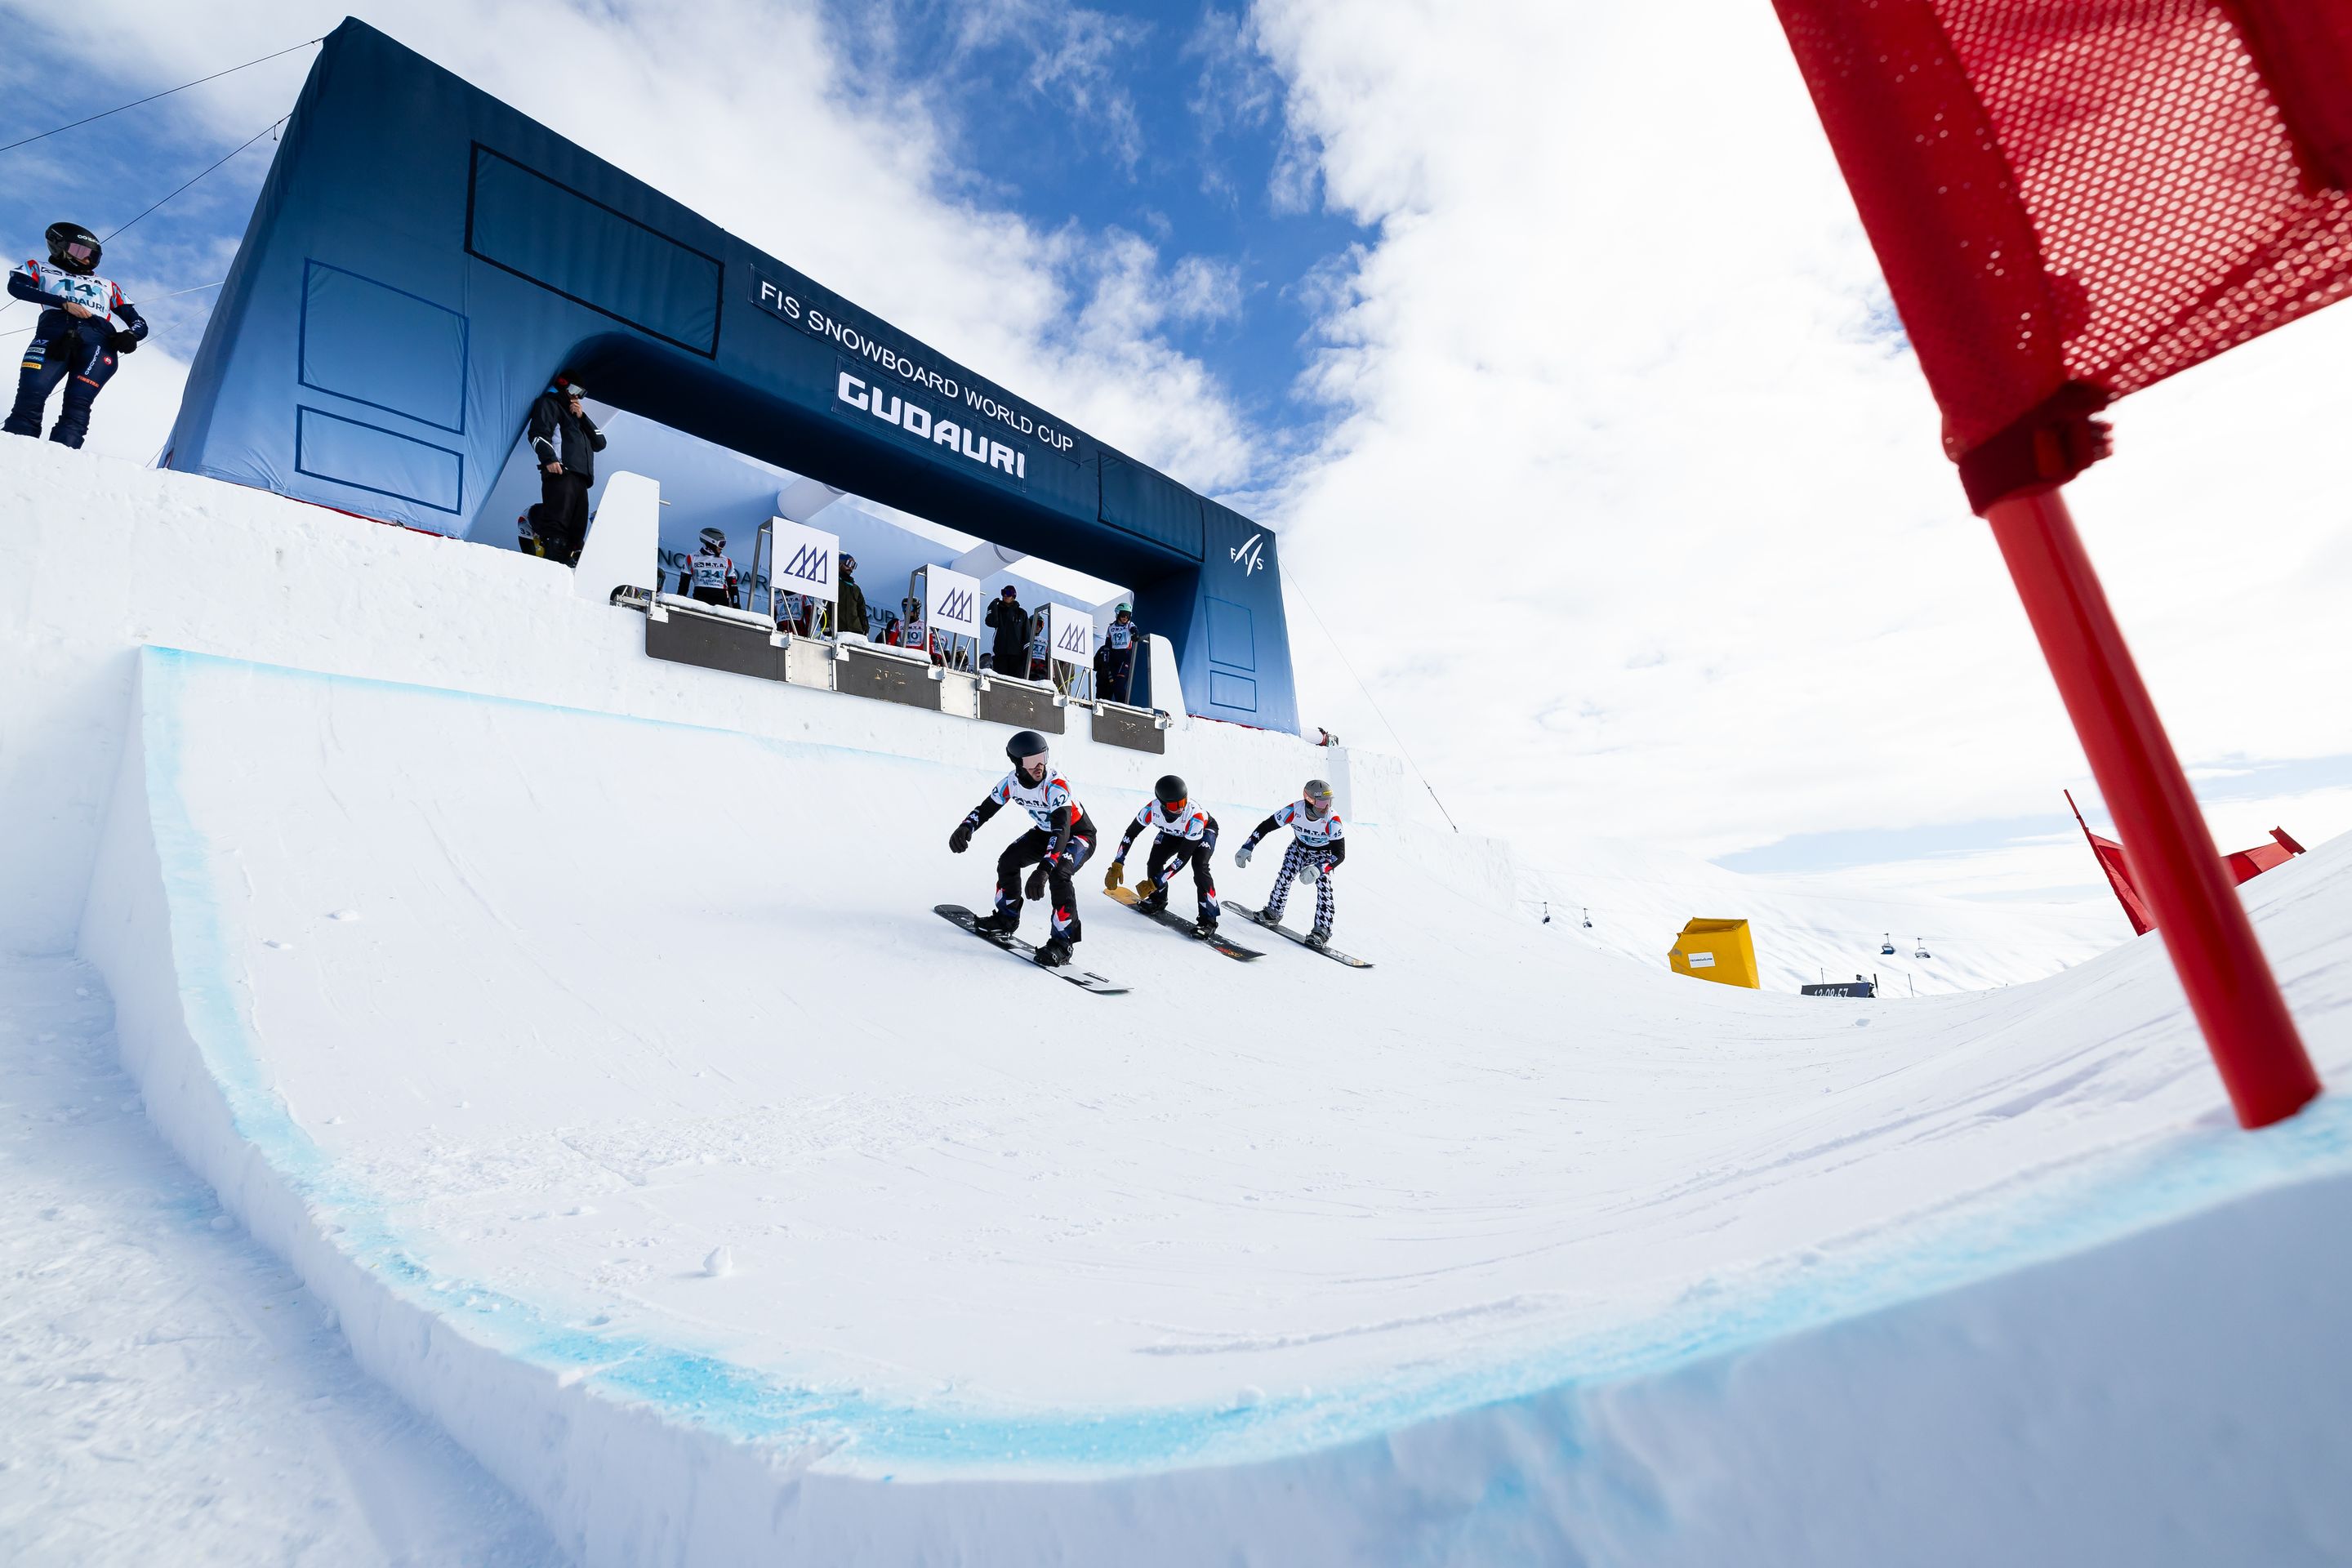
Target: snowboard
1332, 953
1083, 979
1175, 922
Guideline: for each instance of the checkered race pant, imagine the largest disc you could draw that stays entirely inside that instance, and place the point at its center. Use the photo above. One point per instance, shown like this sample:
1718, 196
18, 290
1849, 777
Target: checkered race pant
1294, 865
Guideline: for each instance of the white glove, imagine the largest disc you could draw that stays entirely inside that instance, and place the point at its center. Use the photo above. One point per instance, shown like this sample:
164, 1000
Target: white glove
1306, 873
1242, 855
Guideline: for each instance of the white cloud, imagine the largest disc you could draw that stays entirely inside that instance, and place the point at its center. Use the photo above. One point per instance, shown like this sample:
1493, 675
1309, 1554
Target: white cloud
1632, 507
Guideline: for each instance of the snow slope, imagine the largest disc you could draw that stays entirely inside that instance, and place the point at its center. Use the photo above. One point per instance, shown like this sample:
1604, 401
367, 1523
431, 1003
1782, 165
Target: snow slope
729, 1207
173, 1392
525, 1065
1812, 928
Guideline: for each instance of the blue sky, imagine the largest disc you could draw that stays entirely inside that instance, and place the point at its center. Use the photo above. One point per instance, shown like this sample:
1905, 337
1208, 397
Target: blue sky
1542, 330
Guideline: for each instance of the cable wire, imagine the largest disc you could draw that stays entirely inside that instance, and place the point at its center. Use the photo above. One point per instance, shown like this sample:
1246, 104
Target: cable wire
224, 158
1402, 749
165, 94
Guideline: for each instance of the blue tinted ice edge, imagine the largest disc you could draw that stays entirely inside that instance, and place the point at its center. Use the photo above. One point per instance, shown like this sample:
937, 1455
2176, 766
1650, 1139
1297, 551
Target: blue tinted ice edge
877, 1435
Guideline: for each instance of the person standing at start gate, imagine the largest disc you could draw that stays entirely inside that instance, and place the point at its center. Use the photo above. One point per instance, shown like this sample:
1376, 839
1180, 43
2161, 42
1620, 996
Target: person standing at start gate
709, 575
1119, 640
1010, 623
566, 441
1041, 652
1317, 845
73, 341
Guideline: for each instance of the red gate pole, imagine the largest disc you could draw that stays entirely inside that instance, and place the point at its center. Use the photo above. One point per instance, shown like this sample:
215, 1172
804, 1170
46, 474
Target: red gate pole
2229, 982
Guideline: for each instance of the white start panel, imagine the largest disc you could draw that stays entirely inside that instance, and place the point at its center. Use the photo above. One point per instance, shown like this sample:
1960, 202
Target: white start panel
1071, 634
808, 561
953, 603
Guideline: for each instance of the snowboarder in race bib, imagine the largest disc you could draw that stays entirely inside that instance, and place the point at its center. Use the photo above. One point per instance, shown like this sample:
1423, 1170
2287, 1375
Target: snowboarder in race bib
1317, 845
710, 573
912, 633
73, 341
1053, 849
1187, 834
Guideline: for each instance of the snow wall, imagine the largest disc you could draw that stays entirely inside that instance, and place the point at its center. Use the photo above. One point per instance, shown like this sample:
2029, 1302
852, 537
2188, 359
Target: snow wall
730, 1207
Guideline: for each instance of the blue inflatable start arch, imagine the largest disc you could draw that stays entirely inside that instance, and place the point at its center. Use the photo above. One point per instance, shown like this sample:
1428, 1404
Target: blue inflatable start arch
423, 257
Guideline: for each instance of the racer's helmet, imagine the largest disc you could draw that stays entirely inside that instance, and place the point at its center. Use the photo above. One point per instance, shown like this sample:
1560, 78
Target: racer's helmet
1317, 795
1169, 793
75, 248
713, 542
1027, 747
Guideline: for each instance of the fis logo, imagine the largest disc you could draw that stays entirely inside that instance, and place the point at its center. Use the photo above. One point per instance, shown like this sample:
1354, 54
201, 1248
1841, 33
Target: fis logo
955, 605
1075, 639
810, 564
1247, 555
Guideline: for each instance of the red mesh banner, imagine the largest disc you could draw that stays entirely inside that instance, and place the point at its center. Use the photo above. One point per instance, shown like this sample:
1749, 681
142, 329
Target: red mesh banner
2074, 199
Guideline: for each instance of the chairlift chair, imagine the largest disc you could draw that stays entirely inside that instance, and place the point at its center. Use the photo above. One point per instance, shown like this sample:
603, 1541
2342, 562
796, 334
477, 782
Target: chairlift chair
1886, 944
1588, 920
1922, 943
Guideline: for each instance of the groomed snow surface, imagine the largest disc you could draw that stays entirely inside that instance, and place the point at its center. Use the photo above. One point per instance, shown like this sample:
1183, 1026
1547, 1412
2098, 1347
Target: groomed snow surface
587, 1051
173, 1394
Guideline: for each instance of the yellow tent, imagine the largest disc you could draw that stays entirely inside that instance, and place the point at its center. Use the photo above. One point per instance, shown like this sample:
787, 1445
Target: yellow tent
1720, 951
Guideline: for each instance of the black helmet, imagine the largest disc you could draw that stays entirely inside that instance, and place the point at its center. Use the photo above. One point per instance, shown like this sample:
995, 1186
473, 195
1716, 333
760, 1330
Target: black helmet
74, 248
1169, 790
1027, 743
713, 540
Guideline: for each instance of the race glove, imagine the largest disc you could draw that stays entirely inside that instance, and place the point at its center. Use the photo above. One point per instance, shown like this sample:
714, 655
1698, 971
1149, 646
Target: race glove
961, 840
1242, 855
1114, 875
1036, 887
123, 341
1145, 888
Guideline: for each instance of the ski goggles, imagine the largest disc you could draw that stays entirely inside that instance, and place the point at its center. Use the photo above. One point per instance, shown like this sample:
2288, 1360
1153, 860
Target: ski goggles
81, 255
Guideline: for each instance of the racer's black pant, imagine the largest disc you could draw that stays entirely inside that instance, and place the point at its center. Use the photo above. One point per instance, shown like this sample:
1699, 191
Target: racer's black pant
1027, 851
76, 349
564, 514
1168, 857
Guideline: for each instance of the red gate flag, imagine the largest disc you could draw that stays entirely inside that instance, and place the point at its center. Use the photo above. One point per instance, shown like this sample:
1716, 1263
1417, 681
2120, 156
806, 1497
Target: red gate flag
2242, 867
2071, 200
2074, 199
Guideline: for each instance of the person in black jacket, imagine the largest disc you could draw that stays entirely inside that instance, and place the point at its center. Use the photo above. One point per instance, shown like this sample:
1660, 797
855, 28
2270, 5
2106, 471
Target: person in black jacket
1011, 623
566, 442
